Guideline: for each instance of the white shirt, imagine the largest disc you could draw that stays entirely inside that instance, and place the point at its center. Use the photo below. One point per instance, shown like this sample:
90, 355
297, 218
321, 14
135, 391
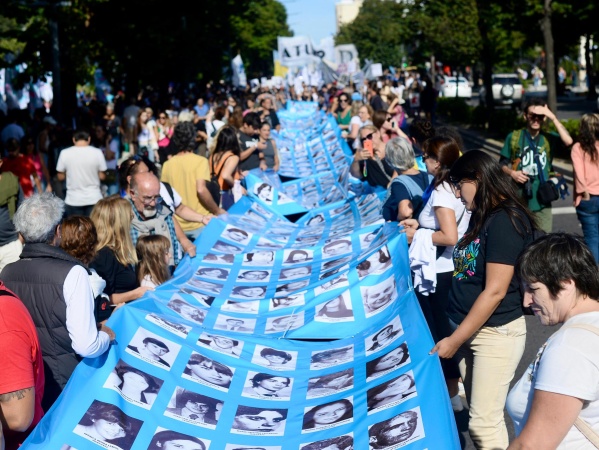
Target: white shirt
567, 364
86, 340
444, 197
81, 165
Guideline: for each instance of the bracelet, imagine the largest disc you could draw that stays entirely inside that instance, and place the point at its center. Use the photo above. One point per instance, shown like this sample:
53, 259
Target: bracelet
261, 159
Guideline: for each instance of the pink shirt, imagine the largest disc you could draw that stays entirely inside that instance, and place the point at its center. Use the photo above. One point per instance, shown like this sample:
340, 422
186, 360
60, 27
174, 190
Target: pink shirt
586, 172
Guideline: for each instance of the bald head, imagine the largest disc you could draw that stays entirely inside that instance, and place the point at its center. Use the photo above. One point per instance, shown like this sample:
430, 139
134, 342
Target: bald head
145, 193
145, 180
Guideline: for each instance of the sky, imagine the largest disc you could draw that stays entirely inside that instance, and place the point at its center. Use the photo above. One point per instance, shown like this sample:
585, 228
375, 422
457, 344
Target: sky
312, 18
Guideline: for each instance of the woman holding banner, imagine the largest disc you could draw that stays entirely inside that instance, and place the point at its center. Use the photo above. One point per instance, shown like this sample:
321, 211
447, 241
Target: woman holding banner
485, 303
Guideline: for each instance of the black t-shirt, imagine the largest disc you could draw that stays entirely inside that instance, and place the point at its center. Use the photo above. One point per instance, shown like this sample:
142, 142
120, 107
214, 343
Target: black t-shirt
399, 192
374, 175
246, 141
119, 278
500, 244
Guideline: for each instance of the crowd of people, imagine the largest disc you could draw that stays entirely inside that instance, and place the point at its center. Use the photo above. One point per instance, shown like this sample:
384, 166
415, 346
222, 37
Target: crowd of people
89, 227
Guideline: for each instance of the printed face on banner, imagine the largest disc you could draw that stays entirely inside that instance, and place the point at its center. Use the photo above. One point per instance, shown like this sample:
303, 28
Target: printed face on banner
297, 256
291, 288
274, 359
331, 357
153, 349
330, 384
398, 431
212, 288
214, 273
254, 275
208, 372
394, 359
187, 311
334, 283
259, 421
264, 192
193, 408
378, 297
292, 273
244, 307
176, 328
267, 386
266, 244
219, 259
221, 344
248, 292
284, 323
173, 440
259, 258
392, 393
328, 415
234, 324
375, 264
203, 299
225, 247
368, 240
134, 385
108, 426
345, 442
338, 309
384, 337
286, 302
238, 235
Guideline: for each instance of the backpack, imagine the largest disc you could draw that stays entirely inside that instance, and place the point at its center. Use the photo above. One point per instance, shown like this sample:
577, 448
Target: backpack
414, 190
213, 185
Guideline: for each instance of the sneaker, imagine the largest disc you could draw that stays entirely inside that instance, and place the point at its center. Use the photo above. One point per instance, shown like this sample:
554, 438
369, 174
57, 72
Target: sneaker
456, 403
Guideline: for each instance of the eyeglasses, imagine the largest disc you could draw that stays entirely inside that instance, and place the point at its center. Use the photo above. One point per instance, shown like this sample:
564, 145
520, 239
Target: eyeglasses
425, 156
388, 119
343, 100
536, 117
162, 117
148, 200
368, 137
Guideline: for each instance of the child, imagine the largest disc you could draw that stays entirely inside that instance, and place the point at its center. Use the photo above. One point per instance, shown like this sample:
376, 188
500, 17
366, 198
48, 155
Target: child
153, 253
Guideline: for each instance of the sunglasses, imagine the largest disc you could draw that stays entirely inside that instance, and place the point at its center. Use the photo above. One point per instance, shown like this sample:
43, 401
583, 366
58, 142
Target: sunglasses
425, 157
388, 119
368, 137
536, 117
343, 100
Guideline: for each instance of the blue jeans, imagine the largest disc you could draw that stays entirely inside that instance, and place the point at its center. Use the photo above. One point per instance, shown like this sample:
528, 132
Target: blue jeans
588, 215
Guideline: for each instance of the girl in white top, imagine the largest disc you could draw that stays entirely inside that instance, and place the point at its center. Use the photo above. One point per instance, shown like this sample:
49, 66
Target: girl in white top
153, 252
447, 215
561, 285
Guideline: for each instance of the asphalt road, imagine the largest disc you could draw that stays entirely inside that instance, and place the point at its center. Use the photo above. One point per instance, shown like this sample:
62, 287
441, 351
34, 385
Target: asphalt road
564, 219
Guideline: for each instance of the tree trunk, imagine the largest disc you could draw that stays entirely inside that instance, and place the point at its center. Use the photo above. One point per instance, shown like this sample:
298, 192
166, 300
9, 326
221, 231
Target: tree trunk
486, 59
592, 92
550, 56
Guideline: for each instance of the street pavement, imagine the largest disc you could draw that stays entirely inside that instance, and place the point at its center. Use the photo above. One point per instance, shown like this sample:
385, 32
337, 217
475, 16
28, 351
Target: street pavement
564, 219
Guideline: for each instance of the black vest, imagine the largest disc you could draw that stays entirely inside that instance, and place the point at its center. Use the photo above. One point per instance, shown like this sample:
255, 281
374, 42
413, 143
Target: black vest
38, 279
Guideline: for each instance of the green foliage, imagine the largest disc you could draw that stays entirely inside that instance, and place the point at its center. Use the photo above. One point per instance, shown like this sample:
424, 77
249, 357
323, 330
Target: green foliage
572, 125
382, 32
504, 121
454, 109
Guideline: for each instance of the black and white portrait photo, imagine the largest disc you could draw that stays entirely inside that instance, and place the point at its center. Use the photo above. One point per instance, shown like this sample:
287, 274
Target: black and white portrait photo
153, 349
208, 372
331, 357
213, 273
226, 247
392, 392
328, 415
338, 309
292, 273
108, 426
229, 323
267, 386
345, 442
340, 281
292, 287
193, 408
206, 286
378, 297
219, 259
369, 240
176, 328
375, 264
274, 359
134, 385
259, 421
397, 432
390, 361
237, 235
241, 306
165, 439
187, 311
248, 292
384, 337
221, 344
259, 258
284, 323
330, 384
254, 275
286, 302
291, 257
203, 299
337, 247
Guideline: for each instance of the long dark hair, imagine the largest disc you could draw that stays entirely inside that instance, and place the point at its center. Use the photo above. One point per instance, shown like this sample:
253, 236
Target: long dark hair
446, 151
494, 191
589, 135
226, 140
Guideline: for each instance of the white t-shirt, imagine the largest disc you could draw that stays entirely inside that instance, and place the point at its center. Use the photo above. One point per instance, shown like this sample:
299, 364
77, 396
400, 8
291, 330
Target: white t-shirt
81, 165
567, 364
444, 197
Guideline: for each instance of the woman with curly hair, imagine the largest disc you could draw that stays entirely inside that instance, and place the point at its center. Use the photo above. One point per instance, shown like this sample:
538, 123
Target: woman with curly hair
585, 159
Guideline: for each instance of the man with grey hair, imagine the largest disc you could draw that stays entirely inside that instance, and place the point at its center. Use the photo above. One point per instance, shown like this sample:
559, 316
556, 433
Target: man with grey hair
406, 191
370, 162
55, 288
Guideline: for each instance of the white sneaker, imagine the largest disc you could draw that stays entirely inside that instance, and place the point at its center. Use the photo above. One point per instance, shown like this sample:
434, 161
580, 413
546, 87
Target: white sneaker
456, 403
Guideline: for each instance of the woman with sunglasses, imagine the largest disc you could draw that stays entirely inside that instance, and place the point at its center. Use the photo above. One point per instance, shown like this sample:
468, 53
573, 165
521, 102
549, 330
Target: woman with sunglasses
164, 129
341, 109
385, 123
371, 166
485, 302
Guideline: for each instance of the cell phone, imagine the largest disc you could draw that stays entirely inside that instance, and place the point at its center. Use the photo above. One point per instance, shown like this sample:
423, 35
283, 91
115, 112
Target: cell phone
368, 147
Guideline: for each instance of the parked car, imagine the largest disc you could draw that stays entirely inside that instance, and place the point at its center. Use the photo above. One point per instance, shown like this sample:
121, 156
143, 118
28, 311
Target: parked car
507, 90
449, 86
